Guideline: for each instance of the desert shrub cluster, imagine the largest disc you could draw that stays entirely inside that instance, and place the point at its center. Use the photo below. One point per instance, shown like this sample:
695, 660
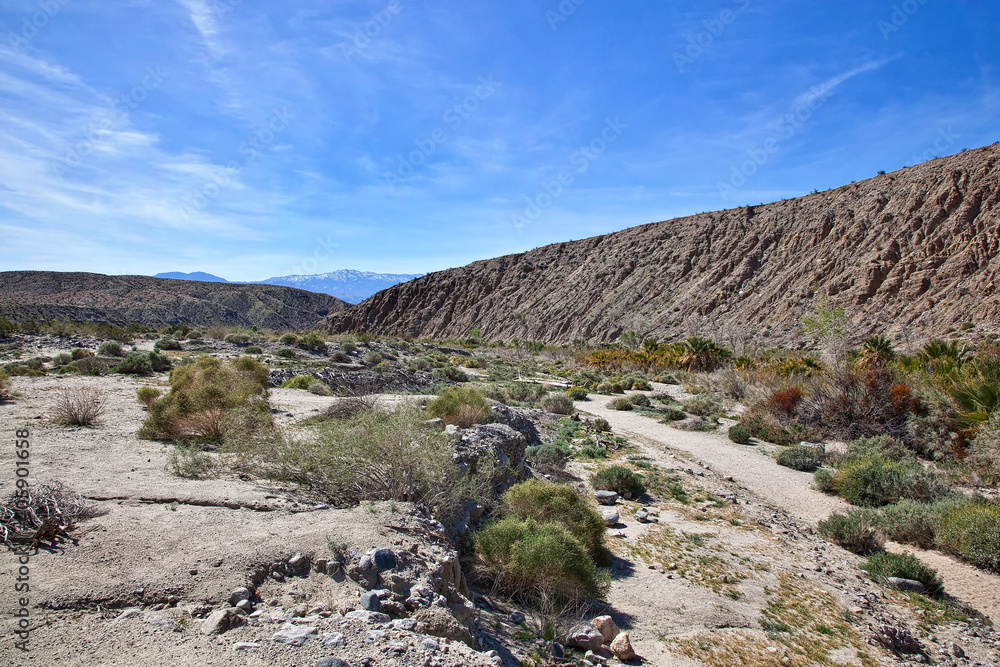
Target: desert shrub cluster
461, 406
619, 479
541, 547
211, 401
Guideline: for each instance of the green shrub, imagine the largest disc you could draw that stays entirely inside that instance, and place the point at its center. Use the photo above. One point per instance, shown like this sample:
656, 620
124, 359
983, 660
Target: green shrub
253, 349
704, 405
211, 401
320, 389
61, 359
883, 446
461, 406
904, 566
147, 395
81, 353
538, 564
577, 393
559, 404
674, 415
641, 385
285, 353
739, 435
546, 455
604, 388
623, 403
373, 358
94, 365
619, 479
767, 428
912, 522
451, 373
592, 452
15, 370
972, 532
298, 382
823, 478
167, 344
237, 339
617, 388
640, 400
601, 425
856, 531
288, 339
142, 363
559, 503
799, 458
312, 341
348, 346
110, 348
875, 481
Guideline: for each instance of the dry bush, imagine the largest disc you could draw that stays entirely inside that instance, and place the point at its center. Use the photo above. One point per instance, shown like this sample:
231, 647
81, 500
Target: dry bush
80, 406
42, 512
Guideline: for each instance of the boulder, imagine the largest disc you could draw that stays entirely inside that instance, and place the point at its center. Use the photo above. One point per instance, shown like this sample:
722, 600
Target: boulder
906, 584
606, 497
219, 621
297, 635
370, 601
239, 594
610, 516
621, 646
384, 559
585, 637
607, 627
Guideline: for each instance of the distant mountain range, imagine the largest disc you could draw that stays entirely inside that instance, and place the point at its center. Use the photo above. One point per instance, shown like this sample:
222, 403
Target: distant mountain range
346, 284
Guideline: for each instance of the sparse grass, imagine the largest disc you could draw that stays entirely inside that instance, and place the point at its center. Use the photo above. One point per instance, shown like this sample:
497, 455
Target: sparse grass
189, 461
690, 556
80, 406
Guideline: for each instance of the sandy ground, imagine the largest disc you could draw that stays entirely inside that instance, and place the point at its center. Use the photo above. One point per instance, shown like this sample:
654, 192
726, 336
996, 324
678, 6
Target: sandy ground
752, 468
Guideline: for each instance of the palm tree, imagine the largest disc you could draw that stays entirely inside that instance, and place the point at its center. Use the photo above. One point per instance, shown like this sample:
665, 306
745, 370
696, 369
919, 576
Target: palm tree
876, 352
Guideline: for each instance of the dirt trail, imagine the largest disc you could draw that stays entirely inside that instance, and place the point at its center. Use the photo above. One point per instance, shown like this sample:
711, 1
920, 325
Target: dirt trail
788, 489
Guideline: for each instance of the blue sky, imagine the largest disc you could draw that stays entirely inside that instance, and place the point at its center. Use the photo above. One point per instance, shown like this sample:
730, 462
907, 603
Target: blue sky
251, 139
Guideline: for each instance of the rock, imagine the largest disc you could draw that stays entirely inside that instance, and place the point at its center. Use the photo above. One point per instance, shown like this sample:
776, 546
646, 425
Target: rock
451, 429
906, 584
642, 516
165, 623
436, 424
365, 563
384, 559
606, 497
557, 651
239, 594
404, 624
127, 614
585, 637
331, 662
244, 605
607, 627
245, 646
373, 617
437, 622
517, 618
428, 644
370, 601
296, 635
219, 621
621, 646
298, 564
610, 516
333, 639
957, 651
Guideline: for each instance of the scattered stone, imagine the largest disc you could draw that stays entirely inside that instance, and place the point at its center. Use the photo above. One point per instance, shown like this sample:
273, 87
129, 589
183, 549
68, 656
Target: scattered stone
295, 635
244, 605
906, 584
219, 621
428, 644
622, 647
642, 516
298, 563
373, 617
607, 627
384, 559
957, 651
517, 618
127, 614
334, 639
165, 623
585, 636
557, 651
610, 516
245, 646
238, 595
606, 497
331, 662
370, 601
404, 624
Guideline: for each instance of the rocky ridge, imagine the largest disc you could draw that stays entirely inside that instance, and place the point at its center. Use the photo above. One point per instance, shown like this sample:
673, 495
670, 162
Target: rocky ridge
910, 252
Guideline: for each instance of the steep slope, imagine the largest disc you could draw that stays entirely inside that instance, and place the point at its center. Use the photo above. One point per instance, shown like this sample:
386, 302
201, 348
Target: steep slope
122, 300
915, 249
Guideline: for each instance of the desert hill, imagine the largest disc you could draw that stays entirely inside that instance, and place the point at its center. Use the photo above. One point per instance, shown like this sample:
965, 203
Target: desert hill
915, 249
122, 300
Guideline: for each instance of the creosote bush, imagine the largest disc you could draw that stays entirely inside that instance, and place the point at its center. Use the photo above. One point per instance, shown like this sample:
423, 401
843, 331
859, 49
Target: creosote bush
560, 503
619, 479
799, 458
210, 401
80, 406
110, 348
904, 566
972, 531
559, 404
739, 435
461, 406
622, 403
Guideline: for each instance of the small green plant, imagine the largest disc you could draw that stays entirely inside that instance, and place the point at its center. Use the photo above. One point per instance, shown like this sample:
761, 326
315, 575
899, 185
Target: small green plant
461, 406
191, 462
166, 344
288, 339
374, 358
285, 353
622, 403
640, 400
577, 393
767, 428
338, 547
81, 353
604, 388
559, 503
546, 456
142, 363
451, 373
601, 425
619, 479
559, 404
739, 435
641, 385
856, 531
799, 458
823, 479
298, 382
904, 566
110, 348
312, 341
972, 532
704, 405
147, 395
673, 415
61, 359
237, 339
253, 349
348, 346
319, 388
